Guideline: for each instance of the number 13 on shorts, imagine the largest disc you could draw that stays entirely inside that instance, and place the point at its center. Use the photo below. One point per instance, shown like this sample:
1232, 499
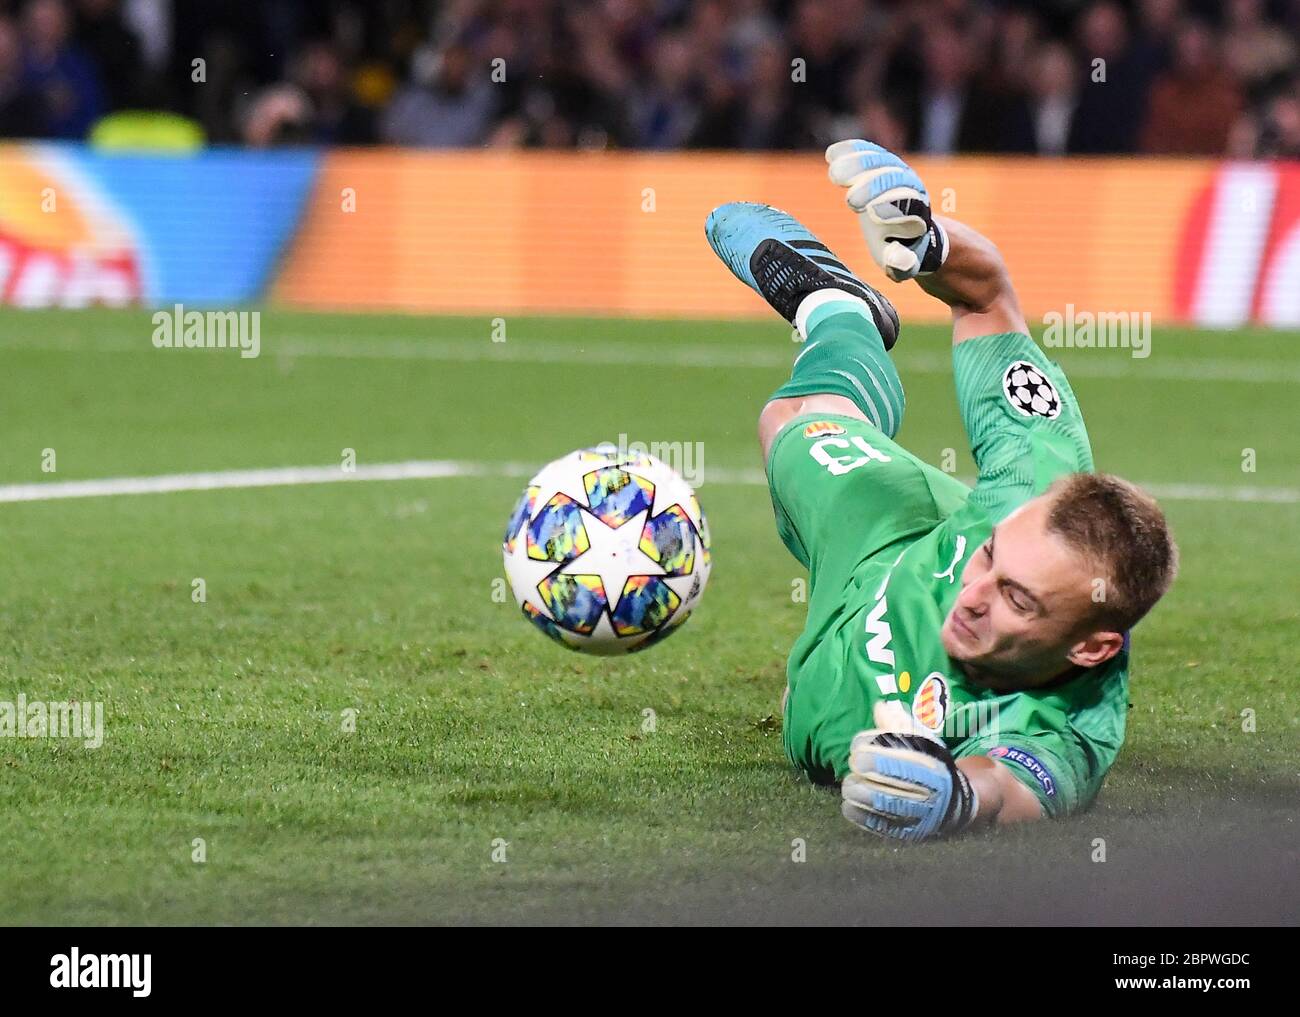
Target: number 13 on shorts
838, 465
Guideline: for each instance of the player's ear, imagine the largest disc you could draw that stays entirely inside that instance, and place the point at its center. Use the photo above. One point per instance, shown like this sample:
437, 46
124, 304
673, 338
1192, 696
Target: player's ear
1095, 649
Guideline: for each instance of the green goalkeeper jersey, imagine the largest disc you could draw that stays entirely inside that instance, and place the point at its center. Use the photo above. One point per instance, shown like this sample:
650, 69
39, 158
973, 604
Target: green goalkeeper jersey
885, 538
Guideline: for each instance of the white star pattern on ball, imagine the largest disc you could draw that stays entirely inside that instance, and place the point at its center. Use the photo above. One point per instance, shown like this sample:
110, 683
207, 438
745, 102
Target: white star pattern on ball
612, 556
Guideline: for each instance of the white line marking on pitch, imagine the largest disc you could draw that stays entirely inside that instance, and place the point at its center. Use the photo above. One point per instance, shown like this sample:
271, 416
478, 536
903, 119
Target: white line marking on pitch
605, 350
434, 469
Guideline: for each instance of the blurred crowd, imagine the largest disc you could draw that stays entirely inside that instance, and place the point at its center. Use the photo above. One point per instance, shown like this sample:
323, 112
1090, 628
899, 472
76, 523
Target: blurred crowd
936, 76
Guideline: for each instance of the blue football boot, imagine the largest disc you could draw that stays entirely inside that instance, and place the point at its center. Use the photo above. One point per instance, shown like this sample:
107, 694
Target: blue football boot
771, 253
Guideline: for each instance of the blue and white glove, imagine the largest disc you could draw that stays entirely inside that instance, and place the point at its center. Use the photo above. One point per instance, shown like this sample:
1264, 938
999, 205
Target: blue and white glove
893, 208
906, 786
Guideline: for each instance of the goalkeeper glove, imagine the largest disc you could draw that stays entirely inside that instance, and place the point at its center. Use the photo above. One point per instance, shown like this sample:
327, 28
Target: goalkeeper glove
906, 786
893, 208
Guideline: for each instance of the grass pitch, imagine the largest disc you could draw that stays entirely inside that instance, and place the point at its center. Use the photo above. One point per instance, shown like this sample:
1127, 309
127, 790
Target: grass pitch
225, 720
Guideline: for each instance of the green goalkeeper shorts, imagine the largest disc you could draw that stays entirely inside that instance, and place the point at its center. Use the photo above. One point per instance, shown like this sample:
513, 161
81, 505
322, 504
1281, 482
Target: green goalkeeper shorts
844, 494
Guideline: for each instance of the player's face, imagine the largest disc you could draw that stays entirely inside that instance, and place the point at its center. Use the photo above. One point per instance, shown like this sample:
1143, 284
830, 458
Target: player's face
1024, 603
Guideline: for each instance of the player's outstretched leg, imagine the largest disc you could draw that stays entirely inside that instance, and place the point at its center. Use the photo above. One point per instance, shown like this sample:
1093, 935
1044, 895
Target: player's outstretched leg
848, 326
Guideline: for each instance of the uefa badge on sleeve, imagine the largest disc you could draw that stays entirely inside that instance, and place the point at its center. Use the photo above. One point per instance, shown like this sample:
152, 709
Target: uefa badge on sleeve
1029, 392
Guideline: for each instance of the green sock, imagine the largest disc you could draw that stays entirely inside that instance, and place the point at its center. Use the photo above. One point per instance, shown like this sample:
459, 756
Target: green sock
844, 355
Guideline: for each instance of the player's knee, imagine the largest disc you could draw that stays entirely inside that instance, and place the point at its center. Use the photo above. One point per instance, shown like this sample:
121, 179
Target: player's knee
774, 416
779, 412
776, 412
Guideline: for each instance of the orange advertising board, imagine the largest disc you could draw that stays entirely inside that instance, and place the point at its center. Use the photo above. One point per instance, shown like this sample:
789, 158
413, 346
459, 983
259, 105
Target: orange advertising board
489, 232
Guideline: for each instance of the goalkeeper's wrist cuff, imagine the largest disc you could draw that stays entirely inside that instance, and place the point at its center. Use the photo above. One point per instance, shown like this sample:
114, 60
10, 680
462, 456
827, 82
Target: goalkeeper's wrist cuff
936, 252
965, 803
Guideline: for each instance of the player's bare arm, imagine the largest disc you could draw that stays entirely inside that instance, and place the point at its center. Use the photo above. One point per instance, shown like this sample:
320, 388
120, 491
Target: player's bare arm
975, 284
1002, 798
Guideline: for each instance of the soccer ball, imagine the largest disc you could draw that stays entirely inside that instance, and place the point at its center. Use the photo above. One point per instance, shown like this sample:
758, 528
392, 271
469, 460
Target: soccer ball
607, 552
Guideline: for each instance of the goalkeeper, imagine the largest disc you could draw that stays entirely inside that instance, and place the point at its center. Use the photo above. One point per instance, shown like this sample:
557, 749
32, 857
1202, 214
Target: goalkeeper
966, 654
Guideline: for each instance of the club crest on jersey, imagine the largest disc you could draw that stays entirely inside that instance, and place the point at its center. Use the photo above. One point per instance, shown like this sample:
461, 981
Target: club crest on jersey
821, 428
1029, 392
930, 704
1006, 754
